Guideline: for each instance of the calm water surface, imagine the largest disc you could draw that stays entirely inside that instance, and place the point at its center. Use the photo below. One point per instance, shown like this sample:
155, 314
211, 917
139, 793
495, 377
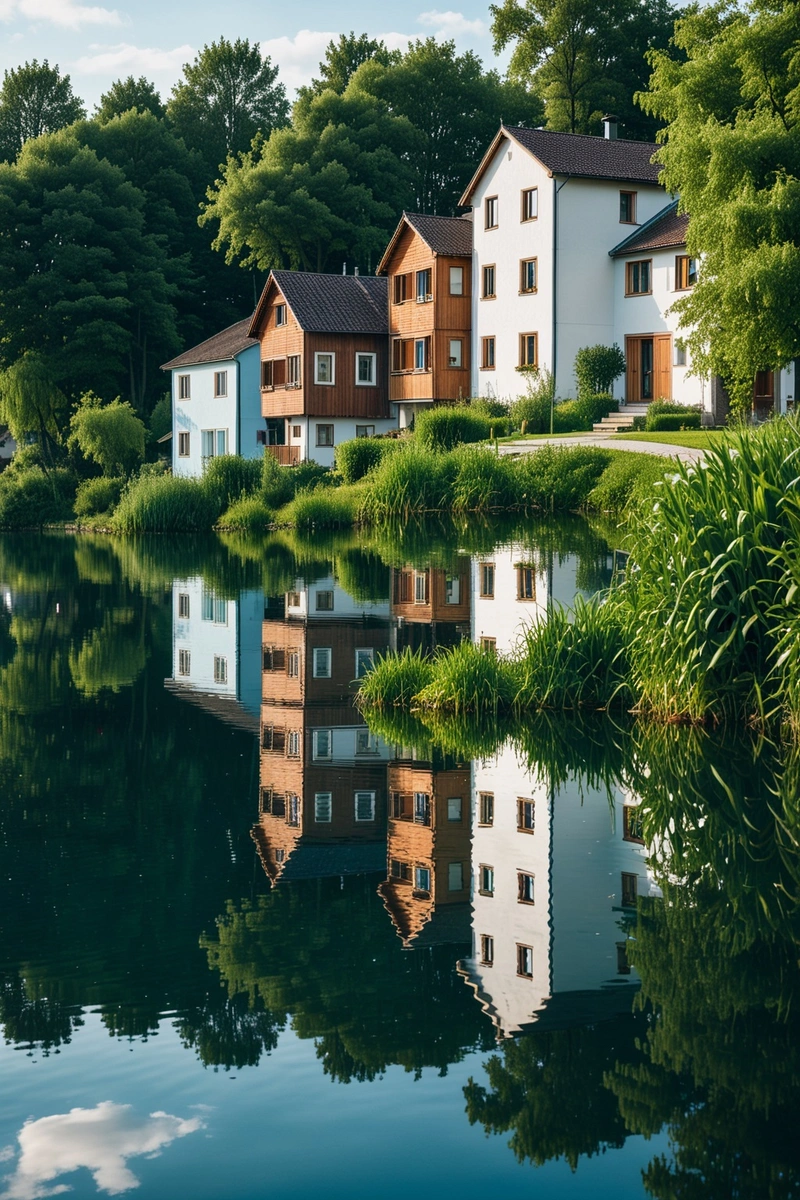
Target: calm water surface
251, 947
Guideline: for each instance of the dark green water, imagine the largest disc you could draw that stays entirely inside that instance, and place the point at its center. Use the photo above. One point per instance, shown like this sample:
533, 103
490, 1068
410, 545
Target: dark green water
249, 947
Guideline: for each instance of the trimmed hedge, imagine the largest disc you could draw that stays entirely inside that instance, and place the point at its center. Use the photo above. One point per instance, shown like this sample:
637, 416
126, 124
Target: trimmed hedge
445, 428
667, 423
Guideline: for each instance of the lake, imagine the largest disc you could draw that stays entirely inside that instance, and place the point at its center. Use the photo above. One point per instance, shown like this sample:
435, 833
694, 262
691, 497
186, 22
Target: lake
251, 945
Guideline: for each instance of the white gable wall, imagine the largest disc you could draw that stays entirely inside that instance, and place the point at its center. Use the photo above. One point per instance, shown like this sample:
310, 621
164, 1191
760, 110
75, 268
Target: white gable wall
205, 411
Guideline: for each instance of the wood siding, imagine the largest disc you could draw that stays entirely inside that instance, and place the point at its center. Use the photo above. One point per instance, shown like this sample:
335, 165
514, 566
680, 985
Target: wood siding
277, 343
435, 607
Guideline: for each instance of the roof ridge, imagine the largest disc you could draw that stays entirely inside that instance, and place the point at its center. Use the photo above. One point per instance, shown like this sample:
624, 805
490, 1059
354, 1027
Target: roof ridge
596, 137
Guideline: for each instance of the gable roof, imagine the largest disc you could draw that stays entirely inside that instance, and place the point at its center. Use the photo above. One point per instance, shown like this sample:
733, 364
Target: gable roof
330, 303
451, 236
667, 228
577, 155
219, 348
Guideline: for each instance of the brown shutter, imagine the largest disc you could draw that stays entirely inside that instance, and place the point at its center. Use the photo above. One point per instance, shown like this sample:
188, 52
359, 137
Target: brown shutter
662, 367
633, 374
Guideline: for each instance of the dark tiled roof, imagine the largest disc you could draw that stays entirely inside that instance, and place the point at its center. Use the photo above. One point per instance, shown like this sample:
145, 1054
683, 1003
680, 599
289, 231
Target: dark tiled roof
318, 860
219, 348
336, 303
667, 228
589, 157
444, 235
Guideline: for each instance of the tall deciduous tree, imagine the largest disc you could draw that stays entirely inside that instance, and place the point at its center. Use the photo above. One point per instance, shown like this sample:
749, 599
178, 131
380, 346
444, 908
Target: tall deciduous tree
227, 95
343, 58
34, 99
125, 94
110, 434
32, 403
732, 151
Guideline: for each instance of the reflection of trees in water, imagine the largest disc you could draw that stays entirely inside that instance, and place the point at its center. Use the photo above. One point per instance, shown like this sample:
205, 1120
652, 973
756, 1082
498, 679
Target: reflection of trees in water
34, 1022
229, 1031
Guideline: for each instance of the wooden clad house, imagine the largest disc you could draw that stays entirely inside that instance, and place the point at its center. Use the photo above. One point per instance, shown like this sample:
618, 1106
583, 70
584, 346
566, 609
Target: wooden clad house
324, 364
428, 264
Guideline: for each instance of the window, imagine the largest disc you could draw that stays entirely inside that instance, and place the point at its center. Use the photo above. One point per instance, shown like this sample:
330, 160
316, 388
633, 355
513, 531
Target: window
401, 289
452, 589
525, 816
214, 442
324, 368
486, 880
422, 879
490, 212
293, 371
293, 664
526, 583
488, 291
422, 808
525, 961
456, 281
280, 855
322, 743
323, 806
455, 877
365, 806
524, 888
399, 870
488, 645
366, 742
455, 357
220, 669
486, 808
681, 356
293, 744
280, 314
487, 950
365, 370
324, 435
487, 354
183, 606
424, 286
220, 384
293, 599
325, 601
183, 445
293, 811
487, 580
401, 354
627, 208
321, 662
267, 375
454, 808
274, 658
421, 587
214, 609
685, 272
422, 354
528, 350
637, 278
630, 888
184, 387
184, 662
527, 275
632, 827
365, 661
530, 204
365, 431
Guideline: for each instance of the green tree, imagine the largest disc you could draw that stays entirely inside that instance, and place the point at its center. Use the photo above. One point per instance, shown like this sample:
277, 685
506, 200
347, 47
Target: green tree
85, 285
343, 58
732, 151
110, 434
597, 367
32, 403
227, 95
34, 99
125, 94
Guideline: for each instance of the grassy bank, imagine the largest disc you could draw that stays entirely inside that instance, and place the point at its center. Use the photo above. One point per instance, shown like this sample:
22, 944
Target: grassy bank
694, 439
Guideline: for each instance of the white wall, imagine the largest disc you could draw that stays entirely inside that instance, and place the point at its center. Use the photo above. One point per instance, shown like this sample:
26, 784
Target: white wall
505, 616
204, 640
344, 430
250, 614
343, 603
205, 411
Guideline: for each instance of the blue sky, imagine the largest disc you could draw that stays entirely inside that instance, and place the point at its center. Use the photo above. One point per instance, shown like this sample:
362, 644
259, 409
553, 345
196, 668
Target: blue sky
97, 43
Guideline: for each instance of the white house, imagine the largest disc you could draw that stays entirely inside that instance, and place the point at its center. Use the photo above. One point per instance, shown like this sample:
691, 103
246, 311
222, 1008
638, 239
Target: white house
216, 401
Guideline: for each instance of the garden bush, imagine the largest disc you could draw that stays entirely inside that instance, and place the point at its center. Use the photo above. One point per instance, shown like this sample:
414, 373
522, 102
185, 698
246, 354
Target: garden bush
628, 479
686, 418
322, 508
594, 406
534, 406
560, 478
443, 428
354, 459
485, 406
99, 495
30, 499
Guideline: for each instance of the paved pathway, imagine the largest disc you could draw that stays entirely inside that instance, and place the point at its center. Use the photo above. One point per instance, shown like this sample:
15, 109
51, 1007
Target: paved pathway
685, 453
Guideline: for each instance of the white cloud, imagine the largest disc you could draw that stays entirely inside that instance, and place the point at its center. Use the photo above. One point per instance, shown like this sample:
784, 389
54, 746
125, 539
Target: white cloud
124, 59
451, 24
298, 57
66, 14
100, 1140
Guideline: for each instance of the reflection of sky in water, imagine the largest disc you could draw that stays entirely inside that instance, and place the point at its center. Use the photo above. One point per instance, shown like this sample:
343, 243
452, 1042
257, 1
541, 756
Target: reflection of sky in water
99, 1139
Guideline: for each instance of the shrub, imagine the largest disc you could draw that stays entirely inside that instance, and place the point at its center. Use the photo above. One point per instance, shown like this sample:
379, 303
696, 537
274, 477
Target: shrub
165, 504
110, 434
560, 478
356, 458
567, 417
100, 495
483, 480
594, 406
228, 477
30, 499
484, 406
322, 508
669, 423
414, 480
659, 409
596, 368
248, 513
443, 428
627, 479
534, 406
160, 421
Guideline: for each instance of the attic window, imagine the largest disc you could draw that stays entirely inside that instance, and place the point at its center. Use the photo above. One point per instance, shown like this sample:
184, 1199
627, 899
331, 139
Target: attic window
280, 314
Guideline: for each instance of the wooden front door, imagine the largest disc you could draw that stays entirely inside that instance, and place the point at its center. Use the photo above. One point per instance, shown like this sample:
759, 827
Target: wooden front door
648, 373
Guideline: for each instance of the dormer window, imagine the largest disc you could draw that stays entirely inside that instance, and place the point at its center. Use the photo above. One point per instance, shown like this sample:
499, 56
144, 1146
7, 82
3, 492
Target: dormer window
280, 314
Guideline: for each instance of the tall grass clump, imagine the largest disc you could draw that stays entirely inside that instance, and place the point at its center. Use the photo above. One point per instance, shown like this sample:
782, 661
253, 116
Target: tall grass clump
227, 477
396, 680
248, 514
444, 428
356, 458
627, 480
483, 481
98, 495
165, 504
560, 478
469, 679
412, 481
534, 406
322, 508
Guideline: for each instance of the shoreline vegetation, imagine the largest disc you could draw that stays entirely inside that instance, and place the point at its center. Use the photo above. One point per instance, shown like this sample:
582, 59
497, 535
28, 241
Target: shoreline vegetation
703, 628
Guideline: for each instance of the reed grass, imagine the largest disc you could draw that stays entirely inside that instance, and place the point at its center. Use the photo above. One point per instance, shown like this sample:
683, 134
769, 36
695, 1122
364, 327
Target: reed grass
627, 481
444, 428
323, 508
248, 514
165, 504
469, 679
483, 482
356, 458
411, 482
395, 680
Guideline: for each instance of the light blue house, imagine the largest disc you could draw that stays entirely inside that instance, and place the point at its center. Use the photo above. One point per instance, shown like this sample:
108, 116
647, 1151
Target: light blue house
216, 400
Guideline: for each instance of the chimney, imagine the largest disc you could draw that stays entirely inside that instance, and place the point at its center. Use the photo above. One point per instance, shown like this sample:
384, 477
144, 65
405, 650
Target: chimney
356, 271
344, 268
610, 128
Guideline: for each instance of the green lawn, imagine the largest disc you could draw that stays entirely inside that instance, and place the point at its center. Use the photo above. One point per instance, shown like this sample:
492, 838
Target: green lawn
537, 437
695, 439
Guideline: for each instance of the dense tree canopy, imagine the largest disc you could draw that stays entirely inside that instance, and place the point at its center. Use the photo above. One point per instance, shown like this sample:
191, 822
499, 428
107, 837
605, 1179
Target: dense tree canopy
343, 58
125, 94
34, 99
732, 150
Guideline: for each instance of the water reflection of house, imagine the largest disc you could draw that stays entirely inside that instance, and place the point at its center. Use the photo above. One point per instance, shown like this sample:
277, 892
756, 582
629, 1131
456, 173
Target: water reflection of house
215, 650
323, 774
555, 882
431, 606
426, 892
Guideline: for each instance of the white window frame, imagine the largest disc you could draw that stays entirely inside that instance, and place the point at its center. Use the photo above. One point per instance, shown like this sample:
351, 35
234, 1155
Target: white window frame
451, 879
183, 606
364, 654
456, 360
184, 387
184, 439
417, 343
293, 743
452, 589
419, 885
323, 802
220, 669
366, 742
360, 796
322, 745
321, 666
365, 431
373, 369
184, 662
318, 356
280, 315
457, 274
220, 385
215, 436
455, 805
